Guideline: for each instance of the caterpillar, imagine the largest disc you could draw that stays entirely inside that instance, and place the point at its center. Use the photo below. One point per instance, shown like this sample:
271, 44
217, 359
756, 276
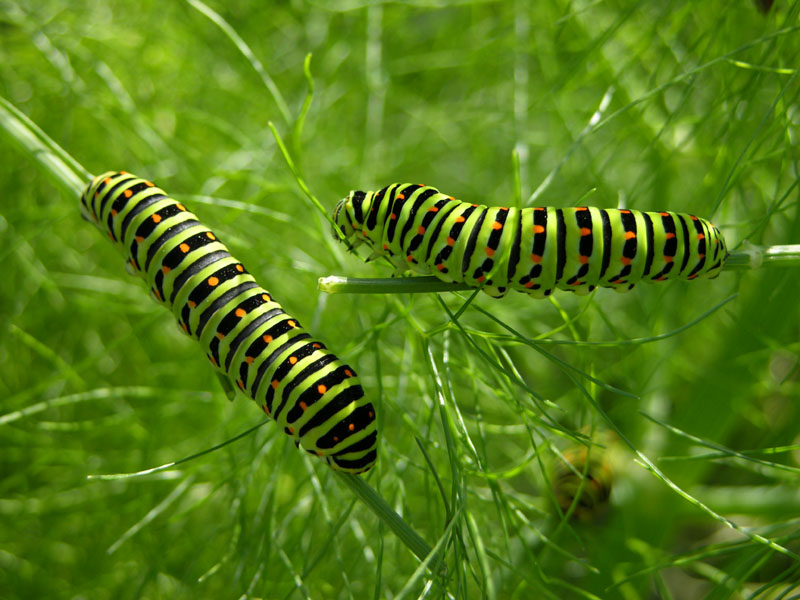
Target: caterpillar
531, 250
314, 396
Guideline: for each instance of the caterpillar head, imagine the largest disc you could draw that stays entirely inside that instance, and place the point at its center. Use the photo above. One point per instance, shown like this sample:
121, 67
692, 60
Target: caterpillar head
347, 217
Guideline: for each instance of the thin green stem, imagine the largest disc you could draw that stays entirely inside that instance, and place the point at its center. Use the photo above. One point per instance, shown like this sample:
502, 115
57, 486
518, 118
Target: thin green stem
752, 257
242, 46
62, 169
364, 492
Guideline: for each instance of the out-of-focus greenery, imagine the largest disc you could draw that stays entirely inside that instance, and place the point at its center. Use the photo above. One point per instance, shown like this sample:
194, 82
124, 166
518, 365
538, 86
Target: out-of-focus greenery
651, 105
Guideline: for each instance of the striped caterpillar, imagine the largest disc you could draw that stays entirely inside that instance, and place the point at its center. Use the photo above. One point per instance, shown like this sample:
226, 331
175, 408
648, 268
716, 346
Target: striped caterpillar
315, 397
531, 250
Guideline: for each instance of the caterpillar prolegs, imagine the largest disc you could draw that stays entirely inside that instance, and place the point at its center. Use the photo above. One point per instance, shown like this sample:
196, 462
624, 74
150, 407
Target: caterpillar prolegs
531, 250
315, 397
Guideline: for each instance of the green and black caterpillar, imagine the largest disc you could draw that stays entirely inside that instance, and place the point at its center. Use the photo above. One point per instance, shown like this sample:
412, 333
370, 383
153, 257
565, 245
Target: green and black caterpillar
531, 250
314, 396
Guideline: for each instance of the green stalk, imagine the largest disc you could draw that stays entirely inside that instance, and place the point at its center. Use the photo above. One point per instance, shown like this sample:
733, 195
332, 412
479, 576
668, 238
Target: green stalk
63, 171
364, 492
751, 257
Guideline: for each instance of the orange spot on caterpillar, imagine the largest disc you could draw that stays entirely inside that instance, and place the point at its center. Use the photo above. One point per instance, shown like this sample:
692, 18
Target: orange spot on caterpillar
139, 238
700, 236
371, 415
537, 258
480, 279
664, 214
180, 206
421, 230
538, 229
240, 268
336, 438
624, 211
292, 323
662, 278
489, 251
249, 359
213, 281
265, 297
191, 303
156, 218
107, 180
321, 389
351, 427
629, 235
401, 196
583, 259
386, 246
693, 218
692, 276
433, 209
113, 212
165, 270
585, 231
625, 260
316, 345
303, 405
410, 257
240, 312
440, 266
393, 217
670, 236
265, 409
184, 247
111, 235
213, 360
292, 360
220, 335
701, 256
124, 173
576, 283
291, 429
348, 372
450, 241
267, 338
460, 219
528, 285
669, 259
210, 235
127, 193
496, 225
538, 208
275, 384
185, 329
149, 184
158, 295
581, 208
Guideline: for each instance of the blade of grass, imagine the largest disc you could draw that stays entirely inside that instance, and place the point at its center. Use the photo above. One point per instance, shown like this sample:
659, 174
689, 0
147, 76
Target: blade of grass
245, 50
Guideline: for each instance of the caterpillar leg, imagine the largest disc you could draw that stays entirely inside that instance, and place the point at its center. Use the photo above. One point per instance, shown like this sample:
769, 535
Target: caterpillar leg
227, 387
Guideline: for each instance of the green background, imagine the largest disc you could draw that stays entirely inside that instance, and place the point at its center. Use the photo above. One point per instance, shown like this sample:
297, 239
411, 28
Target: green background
651, 105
